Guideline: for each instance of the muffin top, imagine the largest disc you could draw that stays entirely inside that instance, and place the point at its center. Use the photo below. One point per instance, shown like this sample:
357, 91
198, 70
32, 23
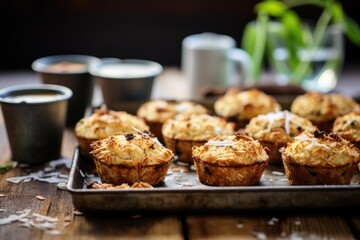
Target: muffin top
160, 110
131, 149
320, 107
196, 127
232, 149
320, 149
105, 122
348, 126
245, 104
281, 126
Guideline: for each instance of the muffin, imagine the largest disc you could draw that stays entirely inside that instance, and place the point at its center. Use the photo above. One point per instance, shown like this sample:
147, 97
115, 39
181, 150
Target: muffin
235, 160
240, 106
185, 131
156, 112
348, 127
322, 109
103, 123
320, 159
275, 130
130, 158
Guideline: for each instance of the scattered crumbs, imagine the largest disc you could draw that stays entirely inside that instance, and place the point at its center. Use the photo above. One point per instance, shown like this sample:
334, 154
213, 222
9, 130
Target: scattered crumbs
77, 213
68, 218
35, 220
240, 225
181, 169
48, 174
66, 224
53, 232
298, 236
41, 198
259, 235
184, 184
273, 221
61, 185
13, 218
277, 173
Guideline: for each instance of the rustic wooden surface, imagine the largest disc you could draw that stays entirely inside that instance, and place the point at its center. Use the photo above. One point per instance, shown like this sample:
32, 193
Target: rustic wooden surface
340, 223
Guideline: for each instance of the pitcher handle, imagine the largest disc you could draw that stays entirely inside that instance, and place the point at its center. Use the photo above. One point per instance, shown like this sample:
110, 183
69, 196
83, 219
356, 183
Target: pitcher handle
243, 64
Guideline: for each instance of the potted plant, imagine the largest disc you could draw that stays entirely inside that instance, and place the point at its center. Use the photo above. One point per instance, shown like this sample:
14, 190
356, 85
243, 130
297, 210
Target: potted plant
301, 53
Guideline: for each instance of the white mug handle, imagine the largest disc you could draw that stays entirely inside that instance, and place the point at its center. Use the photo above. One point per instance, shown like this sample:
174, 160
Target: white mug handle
243, 65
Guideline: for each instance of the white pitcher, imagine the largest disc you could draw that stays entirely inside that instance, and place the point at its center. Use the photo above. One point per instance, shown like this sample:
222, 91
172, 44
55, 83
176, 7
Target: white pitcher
212, 61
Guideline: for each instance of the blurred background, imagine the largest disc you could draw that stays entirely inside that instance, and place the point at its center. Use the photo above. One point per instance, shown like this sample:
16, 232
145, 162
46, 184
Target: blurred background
147, 29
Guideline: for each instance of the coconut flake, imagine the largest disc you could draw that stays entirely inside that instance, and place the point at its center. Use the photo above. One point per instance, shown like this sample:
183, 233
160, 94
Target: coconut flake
40, 217
13, 218
36, 220
41, 198
62, 185
272, 117
218, 143
60, 162
313, 141
287, 119
52, 177
155, 139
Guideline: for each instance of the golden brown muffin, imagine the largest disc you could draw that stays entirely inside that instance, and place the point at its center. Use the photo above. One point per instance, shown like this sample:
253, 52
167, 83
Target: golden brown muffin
348, 127
275, 130
320, 159
236, 160
103, 123
156, 112
240, 106
185, 131
130, 158
322, 109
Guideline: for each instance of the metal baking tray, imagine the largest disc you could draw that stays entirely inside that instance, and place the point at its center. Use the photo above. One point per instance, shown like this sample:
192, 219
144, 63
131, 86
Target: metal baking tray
182, 191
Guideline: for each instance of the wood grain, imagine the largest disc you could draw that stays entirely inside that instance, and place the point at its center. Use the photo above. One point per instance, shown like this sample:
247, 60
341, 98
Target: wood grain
294, 226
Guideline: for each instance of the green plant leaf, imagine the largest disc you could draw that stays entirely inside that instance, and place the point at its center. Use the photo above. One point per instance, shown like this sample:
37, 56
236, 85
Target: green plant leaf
248, 43
249, 38
352, 30
337, 12
272, 8
293, 26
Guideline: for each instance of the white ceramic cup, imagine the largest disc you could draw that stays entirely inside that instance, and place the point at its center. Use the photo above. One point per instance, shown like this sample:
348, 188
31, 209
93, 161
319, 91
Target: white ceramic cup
211, 61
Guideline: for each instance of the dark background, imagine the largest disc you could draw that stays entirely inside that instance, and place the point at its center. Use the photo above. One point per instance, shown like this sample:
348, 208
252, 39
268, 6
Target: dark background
147, 29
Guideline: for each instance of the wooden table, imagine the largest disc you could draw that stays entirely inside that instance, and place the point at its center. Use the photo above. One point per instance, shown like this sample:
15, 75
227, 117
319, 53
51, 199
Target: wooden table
49, 200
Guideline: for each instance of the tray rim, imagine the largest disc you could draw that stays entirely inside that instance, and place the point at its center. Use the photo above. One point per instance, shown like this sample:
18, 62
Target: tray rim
82, 197
257, 188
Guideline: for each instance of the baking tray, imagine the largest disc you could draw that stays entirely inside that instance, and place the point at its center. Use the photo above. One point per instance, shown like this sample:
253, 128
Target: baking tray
182, 191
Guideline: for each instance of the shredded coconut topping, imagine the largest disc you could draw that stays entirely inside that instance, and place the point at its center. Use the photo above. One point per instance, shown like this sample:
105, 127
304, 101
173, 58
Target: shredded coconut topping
313, 141
272, 117
220, 143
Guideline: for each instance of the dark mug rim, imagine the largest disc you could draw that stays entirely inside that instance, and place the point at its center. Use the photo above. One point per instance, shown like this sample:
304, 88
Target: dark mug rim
64, 93
41, 65
94, 69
